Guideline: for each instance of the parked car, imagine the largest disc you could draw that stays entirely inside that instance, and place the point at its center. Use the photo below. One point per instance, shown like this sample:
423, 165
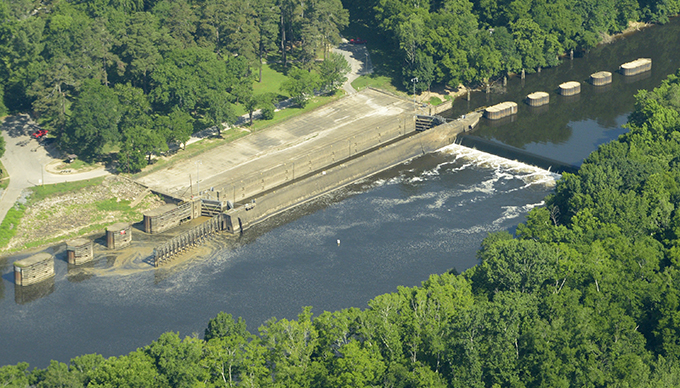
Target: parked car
357, 41
39, 134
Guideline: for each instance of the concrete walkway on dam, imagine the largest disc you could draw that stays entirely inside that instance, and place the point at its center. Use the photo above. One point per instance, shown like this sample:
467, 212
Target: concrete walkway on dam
369, 113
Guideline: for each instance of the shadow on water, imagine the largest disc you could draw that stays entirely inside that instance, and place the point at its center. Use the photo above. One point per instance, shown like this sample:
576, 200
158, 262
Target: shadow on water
574, 127
28, 294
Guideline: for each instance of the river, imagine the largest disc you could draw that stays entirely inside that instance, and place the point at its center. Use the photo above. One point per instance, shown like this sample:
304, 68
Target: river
423, 217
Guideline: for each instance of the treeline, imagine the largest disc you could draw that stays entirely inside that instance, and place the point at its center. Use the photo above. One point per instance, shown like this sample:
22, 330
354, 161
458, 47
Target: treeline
586, 295
463, 41
142, 73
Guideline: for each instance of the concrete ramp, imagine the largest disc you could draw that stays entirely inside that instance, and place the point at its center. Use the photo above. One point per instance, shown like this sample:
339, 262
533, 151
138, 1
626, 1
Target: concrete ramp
367, 114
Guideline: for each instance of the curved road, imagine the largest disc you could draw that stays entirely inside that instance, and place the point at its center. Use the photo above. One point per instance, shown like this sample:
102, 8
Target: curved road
25, 159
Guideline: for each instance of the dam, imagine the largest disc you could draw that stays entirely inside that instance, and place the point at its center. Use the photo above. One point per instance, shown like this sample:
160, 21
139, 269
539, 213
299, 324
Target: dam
268, 172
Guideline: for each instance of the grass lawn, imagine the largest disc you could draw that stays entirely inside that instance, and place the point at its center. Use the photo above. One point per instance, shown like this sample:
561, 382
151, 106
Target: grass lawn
376, 81
8, 227
45, 191
271, 82
4, 177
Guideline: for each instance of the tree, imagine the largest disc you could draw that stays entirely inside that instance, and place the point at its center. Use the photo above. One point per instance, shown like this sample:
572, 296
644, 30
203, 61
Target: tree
333, 70
268, 15
14, 375
224, 325
58, 374
300, 85
180, 20
135, 370
290, 345
94, 120
177, 127
219, 110
139, 143
357, 366
178, 361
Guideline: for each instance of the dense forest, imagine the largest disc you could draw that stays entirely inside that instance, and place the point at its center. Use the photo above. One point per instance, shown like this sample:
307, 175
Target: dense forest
136, 75
587, 294
471, 41
144, 73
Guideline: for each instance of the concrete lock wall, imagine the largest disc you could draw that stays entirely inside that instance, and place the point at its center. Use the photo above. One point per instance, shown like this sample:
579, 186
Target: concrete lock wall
318, 159
346, 173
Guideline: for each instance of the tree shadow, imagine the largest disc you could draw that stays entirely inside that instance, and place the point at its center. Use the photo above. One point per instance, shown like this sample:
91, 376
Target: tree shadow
19, 125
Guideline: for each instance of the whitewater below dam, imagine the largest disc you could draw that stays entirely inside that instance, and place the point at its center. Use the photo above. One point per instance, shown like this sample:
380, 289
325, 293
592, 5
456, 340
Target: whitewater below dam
423, 217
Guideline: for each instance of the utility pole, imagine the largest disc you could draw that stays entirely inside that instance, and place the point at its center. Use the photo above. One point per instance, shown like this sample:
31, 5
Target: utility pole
414, 80
198, 179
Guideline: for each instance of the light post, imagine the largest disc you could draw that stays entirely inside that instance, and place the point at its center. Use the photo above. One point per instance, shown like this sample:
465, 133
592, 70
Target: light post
198, 179
414, 80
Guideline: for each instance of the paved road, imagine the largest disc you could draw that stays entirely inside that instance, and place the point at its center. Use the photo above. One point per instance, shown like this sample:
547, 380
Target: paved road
358, 58
241, 159
25, 159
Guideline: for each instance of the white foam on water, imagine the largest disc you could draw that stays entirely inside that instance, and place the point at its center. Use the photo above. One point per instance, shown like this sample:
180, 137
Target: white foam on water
531, 175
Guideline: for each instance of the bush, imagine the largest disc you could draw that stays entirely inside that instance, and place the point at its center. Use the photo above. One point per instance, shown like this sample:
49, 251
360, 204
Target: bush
268, 112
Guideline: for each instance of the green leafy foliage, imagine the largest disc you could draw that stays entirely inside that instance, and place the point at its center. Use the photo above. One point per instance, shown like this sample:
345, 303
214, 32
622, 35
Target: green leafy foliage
185, 62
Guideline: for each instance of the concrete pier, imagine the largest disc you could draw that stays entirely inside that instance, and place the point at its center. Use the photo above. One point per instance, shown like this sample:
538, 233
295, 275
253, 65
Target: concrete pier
601, 78
169, 216
538, 99
118, 235
79, 251
33, 269
501, 110
635, 67
570, 88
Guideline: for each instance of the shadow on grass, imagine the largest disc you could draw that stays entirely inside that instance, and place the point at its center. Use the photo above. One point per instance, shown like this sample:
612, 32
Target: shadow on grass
385, 57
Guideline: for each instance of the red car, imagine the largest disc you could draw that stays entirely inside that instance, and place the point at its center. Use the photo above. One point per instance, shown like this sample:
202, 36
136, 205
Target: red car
357, 41
39, 134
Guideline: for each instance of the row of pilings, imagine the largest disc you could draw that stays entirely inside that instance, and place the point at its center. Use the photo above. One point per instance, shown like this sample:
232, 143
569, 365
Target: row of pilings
181, 243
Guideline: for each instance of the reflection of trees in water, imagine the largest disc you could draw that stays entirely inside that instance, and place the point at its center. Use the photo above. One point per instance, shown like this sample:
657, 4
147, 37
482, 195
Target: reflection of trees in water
28, 294
601, 104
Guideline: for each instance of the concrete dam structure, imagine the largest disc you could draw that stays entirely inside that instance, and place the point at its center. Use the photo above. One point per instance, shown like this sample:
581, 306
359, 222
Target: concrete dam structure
276, 192
341, 174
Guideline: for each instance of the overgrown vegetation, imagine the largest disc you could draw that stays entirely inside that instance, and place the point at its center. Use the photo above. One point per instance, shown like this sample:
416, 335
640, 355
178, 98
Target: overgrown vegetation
8, 227
42, 192
55, 212
587, 294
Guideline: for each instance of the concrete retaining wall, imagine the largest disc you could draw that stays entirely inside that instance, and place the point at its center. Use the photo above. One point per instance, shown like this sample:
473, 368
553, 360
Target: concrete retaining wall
327, 180
444, 106
317, 159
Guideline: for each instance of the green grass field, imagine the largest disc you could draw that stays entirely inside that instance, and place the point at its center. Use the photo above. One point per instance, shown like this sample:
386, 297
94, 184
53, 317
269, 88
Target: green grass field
376, 81
8, 227
4, 177
45, 191
271, 82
